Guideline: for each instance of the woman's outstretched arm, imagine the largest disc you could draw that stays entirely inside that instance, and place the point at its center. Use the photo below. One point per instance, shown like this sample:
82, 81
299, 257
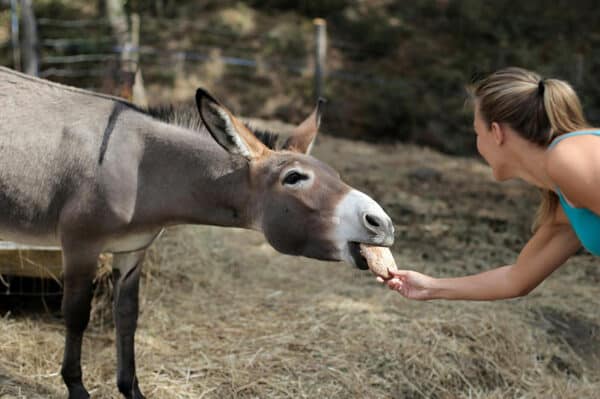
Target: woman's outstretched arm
552, 244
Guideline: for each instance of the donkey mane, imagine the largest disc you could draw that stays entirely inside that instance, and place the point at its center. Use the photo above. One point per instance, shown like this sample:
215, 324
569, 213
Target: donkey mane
187, 116
273, 141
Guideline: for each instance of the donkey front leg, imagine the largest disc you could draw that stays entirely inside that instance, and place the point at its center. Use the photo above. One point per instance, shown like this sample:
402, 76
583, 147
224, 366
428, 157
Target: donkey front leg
126, 275
79, 272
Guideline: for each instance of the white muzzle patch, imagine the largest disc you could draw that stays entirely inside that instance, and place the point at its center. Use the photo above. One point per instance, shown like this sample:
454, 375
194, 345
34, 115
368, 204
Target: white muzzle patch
350, 223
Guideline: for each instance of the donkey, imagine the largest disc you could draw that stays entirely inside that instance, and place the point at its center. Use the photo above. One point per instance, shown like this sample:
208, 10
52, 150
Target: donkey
93, 173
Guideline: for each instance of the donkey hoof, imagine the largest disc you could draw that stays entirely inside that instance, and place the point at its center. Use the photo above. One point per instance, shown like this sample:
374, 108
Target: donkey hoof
78, 392
137, 394
133, 392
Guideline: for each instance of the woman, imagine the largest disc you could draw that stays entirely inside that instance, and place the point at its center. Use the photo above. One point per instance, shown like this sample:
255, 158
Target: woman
533, 129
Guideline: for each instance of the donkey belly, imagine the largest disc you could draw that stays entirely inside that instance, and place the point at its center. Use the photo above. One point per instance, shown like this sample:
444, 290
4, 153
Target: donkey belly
25, 220
132, 241
29, 237
31, 198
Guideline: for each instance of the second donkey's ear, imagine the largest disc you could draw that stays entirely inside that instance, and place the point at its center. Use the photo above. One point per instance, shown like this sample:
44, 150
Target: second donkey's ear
226, 129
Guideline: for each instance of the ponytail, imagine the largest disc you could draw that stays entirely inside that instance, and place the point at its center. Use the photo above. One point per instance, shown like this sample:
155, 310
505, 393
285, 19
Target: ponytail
565, 115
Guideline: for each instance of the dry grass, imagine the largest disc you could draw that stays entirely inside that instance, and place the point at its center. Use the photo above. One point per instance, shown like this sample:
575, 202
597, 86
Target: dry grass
225, 316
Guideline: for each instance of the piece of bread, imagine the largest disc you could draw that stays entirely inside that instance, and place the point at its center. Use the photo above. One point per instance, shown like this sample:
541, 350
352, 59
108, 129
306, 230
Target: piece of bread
379, 259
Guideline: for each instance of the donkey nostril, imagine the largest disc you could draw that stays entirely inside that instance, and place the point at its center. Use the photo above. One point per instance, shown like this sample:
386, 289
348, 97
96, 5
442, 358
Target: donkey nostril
372, 220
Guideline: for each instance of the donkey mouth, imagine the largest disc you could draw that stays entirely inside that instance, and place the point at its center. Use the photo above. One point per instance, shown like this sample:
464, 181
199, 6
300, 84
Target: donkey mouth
359, 260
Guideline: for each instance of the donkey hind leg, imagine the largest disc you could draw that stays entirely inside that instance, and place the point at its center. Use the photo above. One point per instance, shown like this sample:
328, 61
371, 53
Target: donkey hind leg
126, 274
79, 272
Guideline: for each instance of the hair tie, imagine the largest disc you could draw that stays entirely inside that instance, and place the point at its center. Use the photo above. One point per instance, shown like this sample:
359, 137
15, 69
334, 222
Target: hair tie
541, 88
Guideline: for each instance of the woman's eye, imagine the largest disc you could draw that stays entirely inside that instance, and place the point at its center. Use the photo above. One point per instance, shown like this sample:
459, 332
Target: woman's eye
293, 178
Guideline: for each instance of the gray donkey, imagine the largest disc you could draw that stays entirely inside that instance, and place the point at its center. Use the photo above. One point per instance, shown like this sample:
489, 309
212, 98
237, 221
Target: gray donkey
93, 173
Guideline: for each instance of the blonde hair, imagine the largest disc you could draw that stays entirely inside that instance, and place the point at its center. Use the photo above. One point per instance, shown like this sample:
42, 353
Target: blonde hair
537, 109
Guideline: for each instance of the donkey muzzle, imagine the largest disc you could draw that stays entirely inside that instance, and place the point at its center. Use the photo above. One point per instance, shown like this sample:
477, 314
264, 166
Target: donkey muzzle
381, 225
362, 220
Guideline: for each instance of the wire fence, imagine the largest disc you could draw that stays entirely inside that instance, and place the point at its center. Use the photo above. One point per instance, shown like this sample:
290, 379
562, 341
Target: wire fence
81, 53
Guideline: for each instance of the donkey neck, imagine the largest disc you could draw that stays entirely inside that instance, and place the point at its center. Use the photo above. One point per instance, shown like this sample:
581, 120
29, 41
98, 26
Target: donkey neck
188, 178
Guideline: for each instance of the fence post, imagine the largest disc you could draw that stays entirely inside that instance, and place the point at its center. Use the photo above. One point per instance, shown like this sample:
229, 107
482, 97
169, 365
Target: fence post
14, 34
29, 44
125, 74
320, 53
138, 95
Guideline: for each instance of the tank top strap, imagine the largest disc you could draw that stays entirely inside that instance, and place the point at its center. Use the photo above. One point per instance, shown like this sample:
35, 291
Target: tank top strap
557, 139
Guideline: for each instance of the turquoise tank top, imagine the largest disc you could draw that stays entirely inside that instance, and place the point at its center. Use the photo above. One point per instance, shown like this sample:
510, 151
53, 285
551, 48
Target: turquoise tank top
585, 222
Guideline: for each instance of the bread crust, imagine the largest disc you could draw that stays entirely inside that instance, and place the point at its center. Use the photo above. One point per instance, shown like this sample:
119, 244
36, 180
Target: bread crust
379, 259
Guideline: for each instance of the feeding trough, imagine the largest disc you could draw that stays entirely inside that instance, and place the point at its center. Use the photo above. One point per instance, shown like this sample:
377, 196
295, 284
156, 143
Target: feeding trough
29, 262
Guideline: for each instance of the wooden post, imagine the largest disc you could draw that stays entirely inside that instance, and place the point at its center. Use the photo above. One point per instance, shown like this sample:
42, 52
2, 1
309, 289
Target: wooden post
29, 44
14, 34
130, 82
320, 53
117, 18
138, 95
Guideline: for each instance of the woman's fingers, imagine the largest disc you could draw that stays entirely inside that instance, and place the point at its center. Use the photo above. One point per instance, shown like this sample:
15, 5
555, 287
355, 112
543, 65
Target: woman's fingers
400, 274
395, 284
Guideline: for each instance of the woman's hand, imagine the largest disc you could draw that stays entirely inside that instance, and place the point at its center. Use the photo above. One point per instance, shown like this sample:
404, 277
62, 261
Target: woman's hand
550, 247
410, 284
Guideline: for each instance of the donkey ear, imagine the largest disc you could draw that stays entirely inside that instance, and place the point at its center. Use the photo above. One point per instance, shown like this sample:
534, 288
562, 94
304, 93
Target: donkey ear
303, 137
226, 129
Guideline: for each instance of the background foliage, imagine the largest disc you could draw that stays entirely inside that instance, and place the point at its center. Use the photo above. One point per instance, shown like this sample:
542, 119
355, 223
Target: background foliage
397, 69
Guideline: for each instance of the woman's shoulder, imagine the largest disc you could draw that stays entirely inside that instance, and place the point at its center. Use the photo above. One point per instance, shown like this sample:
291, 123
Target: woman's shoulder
568, 155
573, 165
575, 139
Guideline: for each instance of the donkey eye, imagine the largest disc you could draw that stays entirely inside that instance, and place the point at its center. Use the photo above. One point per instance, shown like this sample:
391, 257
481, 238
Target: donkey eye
293, 178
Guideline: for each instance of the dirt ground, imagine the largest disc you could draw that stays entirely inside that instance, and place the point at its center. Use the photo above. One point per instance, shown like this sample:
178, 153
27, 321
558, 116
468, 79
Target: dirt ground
225, 316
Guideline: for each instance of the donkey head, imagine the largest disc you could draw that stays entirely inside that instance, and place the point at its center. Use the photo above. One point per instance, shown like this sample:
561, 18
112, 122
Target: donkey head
299, 203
